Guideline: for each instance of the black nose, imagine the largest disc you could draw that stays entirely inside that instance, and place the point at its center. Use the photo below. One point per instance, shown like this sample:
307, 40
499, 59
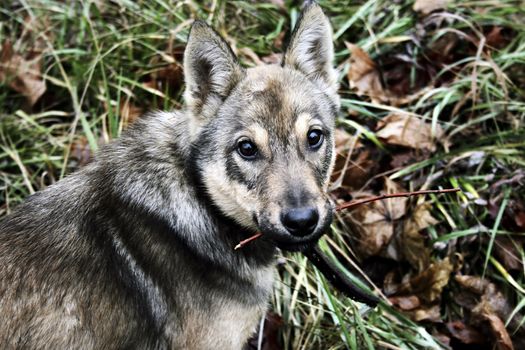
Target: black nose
300, 221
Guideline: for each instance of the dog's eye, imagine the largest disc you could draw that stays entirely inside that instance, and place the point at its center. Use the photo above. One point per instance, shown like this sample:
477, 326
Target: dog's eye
247, 149
315, 138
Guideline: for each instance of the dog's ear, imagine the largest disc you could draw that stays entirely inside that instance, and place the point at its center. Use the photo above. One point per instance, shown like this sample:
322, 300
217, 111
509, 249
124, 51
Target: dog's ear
211, 71
311, 50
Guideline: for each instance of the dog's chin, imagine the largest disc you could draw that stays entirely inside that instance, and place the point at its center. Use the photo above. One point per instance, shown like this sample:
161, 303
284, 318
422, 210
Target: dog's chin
296, 247
285, 241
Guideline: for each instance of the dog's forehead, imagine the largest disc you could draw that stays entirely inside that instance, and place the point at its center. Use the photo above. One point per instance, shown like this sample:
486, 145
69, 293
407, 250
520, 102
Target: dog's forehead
275, 97
273, 79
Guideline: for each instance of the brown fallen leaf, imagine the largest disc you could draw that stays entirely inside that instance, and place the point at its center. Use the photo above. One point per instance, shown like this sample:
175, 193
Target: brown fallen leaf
496, 38
497, 327
408, 131
520, 219
465, 333
507, 251
22, 73
488, 292
442, 338
427, 285
354, 163
393, 86
404, 158
279, 40
428, 6
491, 310
169, 76
409, 302
412, 242
363, 75
80, 152
129, 112
425, 313
374, 223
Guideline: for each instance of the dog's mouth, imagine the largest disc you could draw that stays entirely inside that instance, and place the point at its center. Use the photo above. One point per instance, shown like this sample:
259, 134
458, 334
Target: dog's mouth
297, 247
284, 240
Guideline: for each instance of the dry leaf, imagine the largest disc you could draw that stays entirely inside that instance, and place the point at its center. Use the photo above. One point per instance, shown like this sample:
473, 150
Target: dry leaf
129, 112
427, 285
428, 6
497, 328
408, 131
374, 223
489, 294
433, 280
442, 338
520, 219
405, 157
406, 303
491, 310
354, 164
395, 88
80, 151
507, 252
495, 37
426, 313
22, 74
465, 333
412, 243
363, 75
279, 40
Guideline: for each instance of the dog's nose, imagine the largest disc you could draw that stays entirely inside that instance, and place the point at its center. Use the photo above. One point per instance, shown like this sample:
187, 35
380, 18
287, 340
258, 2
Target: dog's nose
300, 221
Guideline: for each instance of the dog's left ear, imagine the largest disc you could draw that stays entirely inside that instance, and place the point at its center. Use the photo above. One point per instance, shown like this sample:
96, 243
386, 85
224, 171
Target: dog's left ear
311, 50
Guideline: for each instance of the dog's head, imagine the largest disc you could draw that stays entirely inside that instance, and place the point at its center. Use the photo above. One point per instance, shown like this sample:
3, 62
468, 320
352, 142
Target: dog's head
263, 137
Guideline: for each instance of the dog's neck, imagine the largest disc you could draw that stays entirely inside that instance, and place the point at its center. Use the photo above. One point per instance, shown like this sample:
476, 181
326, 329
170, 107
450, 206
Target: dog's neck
172, 194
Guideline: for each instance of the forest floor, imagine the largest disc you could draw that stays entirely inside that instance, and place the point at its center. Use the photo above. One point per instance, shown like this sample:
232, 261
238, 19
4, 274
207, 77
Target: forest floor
433, 96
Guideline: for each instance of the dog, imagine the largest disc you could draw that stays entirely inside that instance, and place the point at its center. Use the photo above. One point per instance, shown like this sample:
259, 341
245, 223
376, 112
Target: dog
135, 250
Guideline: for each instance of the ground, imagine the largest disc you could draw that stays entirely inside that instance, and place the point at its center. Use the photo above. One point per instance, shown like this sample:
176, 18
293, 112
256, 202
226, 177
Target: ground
432, 97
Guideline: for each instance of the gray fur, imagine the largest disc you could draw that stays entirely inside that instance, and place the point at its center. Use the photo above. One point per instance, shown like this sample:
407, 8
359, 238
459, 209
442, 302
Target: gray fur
136, 249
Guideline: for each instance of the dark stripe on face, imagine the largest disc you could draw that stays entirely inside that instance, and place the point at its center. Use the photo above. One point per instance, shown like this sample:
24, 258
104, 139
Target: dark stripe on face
234, 172
328, 156
321, 172
332, 106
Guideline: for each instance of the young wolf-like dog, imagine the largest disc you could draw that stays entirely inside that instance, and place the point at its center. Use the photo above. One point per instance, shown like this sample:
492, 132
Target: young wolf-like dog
136, 249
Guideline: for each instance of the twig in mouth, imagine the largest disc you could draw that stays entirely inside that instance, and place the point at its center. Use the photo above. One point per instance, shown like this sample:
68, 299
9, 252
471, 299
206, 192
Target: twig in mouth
360, 202
247, 240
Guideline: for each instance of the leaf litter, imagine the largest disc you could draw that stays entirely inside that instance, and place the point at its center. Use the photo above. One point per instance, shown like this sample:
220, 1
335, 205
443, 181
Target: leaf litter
21, 73
420, 277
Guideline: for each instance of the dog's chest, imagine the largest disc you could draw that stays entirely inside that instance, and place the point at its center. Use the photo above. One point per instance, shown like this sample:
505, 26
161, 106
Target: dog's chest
228, 322
226, 327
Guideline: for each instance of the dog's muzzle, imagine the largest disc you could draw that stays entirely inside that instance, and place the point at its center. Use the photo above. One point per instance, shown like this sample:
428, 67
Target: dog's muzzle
299, 229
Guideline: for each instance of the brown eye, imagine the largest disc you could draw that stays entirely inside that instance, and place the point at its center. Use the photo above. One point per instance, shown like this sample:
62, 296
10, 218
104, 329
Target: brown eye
247, 149
315, 138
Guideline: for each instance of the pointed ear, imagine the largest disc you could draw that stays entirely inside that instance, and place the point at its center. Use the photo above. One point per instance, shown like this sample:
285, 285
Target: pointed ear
211, 71
311, 50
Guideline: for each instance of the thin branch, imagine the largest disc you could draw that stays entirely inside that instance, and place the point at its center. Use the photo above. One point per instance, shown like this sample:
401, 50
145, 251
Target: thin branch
393, 195
247, 240
360, 202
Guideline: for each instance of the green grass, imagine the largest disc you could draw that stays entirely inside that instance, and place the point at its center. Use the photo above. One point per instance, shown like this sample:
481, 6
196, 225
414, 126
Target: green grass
97, 59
